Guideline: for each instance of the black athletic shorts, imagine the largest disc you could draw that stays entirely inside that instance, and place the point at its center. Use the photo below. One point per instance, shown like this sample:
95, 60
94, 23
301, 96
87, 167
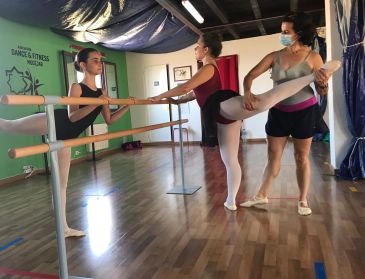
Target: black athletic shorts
299, 124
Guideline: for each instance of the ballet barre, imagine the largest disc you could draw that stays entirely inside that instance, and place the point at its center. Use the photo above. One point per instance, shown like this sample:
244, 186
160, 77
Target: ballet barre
21, 152
56, 100
54, 145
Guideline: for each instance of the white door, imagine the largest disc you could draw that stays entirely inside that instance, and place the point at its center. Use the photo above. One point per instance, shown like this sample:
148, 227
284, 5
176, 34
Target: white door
156, 83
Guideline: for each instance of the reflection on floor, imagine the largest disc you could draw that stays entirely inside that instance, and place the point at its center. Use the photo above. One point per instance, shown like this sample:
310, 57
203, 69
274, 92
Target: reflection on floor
136, 230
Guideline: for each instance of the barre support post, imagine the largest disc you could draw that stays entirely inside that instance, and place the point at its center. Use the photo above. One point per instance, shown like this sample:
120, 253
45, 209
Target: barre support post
182, 190
56, 193
54, 146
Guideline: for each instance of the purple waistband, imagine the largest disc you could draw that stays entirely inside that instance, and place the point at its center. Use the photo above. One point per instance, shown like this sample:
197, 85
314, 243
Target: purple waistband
303, 105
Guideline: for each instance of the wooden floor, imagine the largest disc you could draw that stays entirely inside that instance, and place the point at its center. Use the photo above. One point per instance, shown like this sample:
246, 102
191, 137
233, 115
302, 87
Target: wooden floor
136, 230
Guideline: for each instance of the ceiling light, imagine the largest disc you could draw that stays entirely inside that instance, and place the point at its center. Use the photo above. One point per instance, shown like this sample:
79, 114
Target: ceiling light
190, 8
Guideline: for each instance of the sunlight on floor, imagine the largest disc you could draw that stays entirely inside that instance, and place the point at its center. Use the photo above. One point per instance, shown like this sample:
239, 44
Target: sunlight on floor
100, 224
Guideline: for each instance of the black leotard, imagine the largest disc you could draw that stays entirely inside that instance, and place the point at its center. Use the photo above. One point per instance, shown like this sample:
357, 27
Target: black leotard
65, 129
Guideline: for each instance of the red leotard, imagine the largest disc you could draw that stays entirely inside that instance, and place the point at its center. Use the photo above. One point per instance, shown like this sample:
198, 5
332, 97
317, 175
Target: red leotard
203, 91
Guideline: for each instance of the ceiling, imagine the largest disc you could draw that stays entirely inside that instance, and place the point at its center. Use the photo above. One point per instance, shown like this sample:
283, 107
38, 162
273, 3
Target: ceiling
236, 19
156, 26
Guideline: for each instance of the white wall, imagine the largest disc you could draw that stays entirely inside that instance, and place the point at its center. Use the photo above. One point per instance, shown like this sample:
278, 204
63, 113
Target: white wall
250, 52
340, 136
136, 65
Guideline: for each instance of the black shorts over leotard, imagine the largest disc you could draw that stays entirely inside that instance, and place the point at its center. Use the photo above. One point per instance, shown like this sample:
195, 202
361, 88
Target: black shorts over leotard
299, 124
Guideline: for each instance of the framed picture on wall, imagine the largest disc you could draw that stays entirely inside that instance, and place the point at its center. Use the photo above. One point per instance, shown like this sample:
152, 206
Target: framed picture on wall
182, 73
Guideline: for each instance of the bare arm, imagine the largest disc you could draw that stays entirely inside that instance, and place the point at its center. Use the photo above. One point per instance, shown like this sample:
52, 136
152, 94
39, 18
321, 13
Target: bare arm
109, 117
265, 64
202, 76
187, 98
321, 77
75, 113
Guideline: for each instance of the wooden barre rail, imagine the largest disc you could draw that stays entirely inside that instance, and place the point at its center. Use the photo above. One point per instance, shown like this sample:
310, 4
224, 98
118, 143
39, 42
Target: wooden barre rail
40, 100
42, 148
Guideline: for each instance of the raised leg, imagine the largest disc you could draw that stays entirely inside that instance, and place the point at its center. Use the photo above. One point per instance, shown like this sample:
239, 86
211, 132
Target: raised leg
35, 124
233, 108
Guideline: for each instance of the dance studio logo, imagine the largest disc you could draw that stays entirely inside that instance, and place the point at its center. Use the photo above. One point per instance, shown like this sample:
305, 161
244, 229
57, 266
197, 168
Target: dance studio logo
22, 83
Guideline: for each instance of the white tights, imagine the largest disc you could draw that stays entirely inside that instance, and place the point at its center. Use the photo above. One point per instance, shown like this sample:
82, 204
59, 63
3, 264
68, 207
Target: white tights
36, 124
228, 138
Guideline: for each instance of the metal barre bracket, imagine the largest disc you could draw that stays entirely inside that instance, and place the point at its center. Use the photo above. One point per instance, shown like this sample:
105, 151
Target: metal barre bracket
51, 100
56, 145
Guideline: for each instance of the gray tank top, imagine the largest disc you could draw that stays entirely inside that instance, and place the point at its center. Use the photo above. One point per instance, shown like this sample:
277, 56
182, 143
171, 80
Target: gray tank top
279, 75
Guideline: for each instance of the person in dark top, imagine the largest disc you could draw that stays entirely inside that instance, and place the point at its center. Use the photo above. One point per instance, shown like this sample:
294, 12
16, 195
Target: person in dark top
71, 122
225, 109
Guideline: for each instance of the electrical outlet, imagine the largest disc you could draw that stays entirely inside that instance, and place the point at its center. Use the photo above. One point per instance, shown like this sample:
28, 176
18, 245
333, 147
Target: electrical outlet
27, 169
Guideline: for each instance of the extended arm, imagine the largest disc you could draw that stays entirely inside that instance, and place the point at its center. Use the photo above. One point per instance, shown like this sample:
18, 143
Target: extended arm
320, 75
109, 117
202, 76
256, 71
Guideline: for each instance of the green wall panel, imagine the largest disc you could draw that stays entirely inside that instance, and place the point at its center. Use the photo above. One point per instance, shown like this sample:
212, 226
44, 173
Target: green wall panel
31, 61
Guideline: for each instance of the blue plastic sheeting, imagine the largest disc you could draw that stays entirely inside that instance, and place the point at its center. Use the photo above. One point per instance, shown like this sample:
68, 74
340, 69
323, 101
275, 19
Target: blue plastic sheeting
353, 166
130, 25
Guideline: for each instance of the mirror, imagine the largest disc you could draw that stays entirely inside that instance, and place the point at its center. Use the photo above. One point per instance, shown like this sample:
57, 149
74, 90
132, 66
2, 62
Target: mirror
73, 76
111, 83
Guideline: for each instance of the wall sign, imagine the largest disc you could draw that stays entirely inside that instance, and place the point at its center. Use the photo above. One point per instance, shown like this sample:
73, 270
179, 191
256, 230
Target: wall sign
23, 81
32, 58
20, 82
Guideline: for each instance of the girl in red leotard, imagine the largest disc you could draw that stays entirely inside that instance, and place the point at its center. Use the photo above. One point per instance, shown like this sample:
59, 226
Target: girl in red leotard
225, 109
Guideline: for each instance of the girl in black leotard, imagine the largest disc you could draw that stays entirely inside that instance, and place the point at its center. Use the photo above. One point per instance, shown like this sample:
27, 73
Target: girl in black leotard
72, 122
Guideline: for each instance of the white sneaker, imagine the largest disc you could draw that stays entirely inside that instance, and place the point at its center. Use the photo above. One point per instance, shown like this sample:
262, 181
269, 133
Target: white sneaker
230, 207
255, 201
303, 208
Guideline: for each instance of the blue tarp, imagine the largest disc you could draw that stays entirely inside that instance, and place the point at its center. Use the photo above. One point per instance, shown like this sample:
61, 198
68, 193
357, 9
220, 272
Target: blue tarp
353, 166
141, 26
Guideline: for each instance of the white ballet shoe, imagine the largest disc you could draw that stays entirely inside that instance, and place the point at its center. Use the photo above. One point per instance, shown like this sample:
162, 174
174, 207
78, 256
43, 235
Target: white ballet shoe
255, 201
74, 233
230, 207
303, 208
332, 66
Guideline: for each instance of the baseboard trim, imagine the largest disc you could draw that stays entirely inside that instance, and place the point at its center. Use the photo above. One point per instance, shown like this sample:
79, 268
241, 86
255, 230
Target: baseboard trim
20, 177
262, 140
168, 143
98, 155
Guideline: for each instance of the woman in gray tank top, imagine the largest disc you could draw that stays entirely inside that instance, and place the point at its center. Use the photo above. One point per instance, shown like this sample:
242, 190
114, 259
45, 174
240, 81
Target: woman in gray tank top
295, 115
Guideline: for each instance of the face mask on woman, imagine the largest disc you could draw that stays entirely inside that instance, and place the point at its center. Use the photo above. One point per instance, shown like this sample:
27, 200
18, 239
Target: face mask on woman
286, 39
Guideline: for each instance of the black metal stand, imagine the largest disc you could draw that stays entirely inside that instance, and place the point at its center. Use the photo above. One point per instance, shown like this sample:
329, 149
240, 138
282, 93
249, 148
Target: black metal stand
93, 158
